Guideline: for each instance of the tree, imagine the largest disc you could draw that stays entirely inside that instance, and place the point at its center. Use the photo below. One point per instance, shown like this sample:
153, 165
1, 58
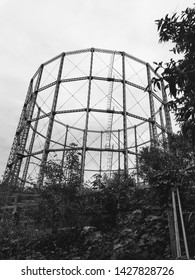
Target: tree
111, 198
164, 169
72, 167
60, 191
156, 159
180, 74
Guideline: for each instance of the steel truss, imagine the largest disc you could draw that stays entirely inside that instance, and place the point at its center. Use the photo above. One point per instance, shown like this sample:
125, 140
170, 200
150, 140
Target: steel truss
67, 103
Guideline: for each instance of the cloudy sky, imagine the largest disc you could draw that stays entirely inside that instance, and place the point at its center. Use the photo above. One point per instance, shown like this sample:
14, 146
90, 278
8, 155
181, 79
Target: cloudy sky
33, 31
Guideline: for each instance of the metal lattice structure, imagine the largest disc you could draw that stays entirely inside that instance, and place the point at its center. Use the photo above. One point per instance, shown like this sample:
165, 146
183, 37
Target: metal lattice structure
74, 98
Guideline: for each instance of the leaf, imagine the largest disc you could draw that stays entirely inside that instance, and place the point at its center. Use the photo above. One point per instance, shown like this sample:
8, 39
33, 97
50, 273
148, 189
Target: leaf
187, 115
158, 85
153, 217
172, 86
156, 70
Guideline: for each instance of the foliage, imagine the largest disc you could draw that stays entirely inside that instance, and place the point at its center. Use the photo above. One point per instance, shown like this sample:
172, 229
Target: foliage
138, 234
141, 236
167, 169
118, 221
59, 194
108, 219
179, 73
164, 169
111, 197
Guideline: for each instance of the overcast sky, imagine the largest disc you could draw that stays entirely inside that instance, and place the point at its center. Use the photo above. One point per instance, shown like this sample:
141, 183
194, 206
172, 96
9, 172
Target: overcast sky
33, 31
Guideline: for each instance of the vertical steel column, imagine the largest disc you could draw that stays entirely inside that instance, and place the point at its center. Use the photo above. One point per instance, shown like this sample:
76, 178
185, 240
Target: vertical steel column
124, 117
119, 156
111, 160
87, 120
13, 153
101, 145
65, 144
30, 149
29, 115
136, 152
152, 110
25, 130
163, 127
166, 109
151, 133
50, 125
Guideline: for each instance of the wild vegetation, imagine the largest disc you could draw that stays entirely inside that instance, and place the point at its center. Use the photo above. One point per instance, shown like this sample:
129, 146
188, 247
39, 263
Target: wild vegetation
110, 219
